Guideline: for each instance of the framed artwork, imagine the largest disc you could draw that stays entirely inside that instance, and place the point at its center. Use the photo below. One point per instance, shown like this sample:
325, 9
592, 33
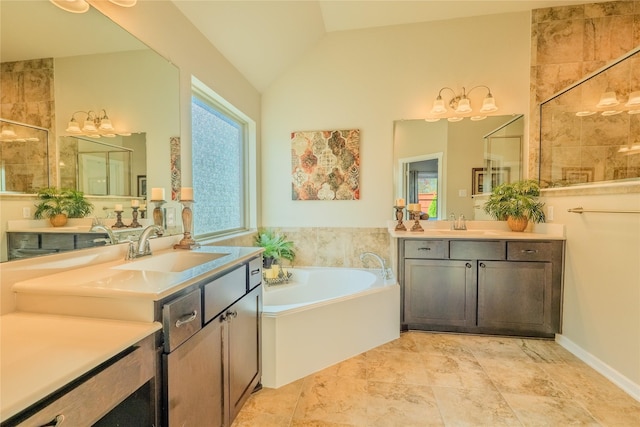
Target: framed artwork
578, 175
626, 172
482, 181
325, 165
142, 185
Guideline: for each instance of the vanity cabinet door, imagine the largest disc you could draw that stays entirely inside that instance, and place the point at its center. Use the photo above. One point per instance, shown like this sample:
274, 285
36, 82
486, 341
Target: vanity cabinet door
194, 376
515, 297
244, 349
439, 293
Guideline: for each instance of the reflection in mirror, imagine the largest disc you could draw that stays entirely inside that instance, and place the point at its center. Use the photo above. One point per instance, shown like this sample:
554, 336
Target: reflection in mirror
590, 133
441, 165
23, 157
103, 169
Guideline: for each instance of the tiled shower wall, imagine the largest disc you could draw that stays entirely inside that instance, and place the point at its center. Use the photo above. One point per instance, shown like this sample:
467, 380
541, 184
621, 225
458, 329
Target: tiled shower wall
569, 43
27, 96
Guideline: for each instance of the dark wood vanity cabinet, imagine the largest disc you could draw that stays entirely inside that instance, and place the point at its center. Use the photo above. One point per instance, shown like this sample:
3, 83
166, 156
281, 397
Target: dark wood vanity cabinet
214, 363
482, 286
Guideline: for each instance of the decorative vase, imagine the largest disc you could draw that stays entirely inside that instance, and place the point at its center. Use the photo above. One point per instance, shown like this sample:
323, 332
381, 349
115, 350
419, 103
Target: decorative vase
517, 224
58, 220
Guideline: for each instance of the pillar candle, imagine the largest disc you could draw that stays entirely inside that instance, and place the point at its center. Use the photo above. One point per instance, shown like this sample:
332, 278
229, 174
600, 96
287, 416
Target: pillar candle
143, 207
186, 193
400, 202
157, 194
118, 207
135, 203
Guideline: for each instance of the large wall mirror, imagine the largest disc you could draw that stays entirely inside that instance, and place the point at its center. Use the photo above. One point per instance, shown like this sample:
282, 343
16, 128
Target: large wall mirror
444, 165
590, 133
56, 63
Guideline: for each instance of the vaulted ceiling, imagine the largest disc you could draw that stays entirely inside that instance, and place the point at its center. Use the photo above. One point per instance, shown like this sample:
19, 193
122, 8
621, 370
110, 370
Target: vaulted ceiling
262, 38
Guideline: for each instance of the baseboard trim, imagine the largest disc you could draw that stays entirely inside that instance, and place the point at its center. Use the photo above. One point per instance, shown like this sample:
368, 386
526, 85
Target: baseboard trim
628, 386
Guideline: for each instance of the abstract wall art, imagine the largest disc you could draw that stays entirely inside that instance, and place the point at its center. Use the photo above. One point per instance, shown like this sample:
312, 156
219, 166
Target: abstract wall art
325, 165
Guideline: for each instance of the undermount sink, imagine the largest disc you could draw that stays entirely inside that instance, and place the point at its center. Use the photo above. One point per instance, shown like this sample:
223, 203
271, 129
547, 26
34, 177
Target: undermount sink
172, 262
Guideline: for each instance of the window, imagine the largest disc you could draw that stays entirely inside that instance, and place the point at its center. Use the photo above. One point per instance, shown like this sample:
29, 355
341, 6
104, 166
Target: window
220, 172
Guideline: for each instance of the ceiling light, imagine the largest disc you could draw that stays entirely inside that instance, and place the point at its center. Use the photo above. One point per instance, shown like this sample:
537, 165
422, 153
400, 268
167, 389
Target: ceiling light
461, 105
73, 6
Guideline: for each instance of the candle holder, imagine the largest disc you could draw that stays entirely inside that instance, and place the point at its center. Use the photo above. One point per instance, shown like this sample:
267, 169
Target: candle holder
416, 225
119, 223
187, 241
134, 214
400, 216
143, 212
158, 217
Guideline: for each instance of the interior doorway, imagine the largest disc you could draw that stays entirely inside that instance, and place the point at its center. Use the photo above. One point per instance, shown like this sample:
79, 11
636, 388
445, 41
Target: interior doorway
422, 183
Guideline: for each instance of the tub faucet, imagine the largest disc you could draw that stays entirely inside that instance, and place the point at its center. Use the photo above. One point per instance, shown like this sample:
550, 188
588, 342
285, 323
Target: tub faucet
384, 271
143, 248
99, 227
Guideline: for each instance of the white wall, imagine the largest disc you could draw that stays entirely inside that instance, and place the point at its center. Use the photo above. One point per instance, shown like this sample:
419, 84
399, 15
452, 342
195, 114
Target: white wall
366, 79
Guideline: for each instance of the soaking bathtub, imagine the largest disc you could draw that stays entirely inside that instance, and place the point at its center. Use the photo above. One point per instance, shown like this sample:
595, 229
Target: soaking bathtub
324, 316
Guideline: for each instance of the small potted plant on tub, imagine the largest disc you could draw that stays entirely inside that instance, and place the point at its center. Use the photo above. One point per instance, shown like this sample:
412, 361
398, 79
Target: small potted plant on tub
517, 203
276, 247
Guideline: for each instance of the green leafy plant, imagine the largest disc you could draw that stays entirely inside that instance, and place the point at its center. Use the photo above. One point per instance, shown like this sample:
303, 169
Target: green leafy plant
276, 246
518, 200
54, 201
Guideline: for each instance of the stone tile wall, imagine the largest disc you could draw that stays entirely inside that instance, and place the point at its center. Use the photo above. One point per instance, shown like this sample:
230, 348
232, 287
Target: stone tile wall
569, 43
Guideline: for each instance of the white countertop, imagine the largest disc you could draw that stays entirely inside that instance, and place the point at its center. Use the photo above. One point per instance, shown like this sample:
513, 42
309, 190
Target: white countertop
107, 291
41, 353
488, 230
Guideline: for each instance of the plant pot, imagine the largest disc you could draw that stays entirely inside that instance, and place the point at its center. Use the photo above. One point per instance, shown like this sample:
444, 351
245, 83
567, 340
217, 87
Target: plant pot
517, 224
267, 262
58, 220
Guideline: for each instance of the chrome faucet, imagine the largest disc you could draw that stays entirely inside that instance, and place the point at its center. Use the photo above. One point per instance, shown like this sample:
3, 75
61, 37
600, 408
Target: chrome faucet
143, 248
99, 227
458, 224
384, 271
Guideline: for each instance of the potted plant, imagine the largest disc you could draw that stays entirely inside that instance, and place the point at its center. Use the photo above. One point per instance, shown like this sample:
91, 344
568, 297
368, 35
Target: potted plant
276, 247
517, 203
59, 204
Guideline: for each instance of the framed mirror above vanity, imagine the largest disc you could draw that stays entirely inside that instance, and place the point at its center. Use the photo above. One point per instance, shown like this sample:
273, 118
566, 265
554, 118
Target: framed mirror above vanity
58, 67
449, 164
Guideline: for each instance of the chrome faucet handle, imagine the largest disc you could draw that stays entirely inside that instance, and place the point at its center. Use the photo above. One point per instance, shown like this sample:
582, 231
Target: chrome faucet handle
131, 251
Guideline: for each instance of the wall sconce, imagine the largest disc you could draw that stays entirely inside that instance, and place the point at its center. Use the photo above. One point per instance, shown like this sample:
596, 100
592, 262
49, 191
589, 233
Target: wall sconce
94, 125
461, 105
81, 6
610, 104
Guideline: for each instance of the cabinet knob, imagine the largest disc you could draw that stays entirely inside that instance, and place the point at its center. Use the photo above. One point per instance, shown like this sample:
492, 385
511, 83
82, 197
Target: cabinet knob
483, 265
468, 265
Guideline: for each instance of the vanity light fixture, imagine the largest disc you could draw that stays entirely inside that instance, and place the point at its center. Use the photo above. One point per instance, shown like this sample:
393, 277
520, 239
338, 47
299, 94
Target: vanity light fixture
608, 99
81, 6
94, 125
461, 105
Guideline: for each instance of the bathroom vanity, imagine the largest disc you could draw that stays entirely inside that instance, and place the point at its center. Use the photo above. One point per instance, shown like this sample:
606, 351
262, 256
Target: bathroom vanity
206, 307
488, 281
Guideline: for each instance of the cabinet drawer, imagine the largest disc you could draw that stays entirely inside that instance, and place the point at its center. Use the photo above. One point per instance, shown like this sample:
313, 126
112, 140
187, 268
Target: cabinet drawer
255, 273
433, 249
181, 318
529, 251
224, 291
88, 402
465, 249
